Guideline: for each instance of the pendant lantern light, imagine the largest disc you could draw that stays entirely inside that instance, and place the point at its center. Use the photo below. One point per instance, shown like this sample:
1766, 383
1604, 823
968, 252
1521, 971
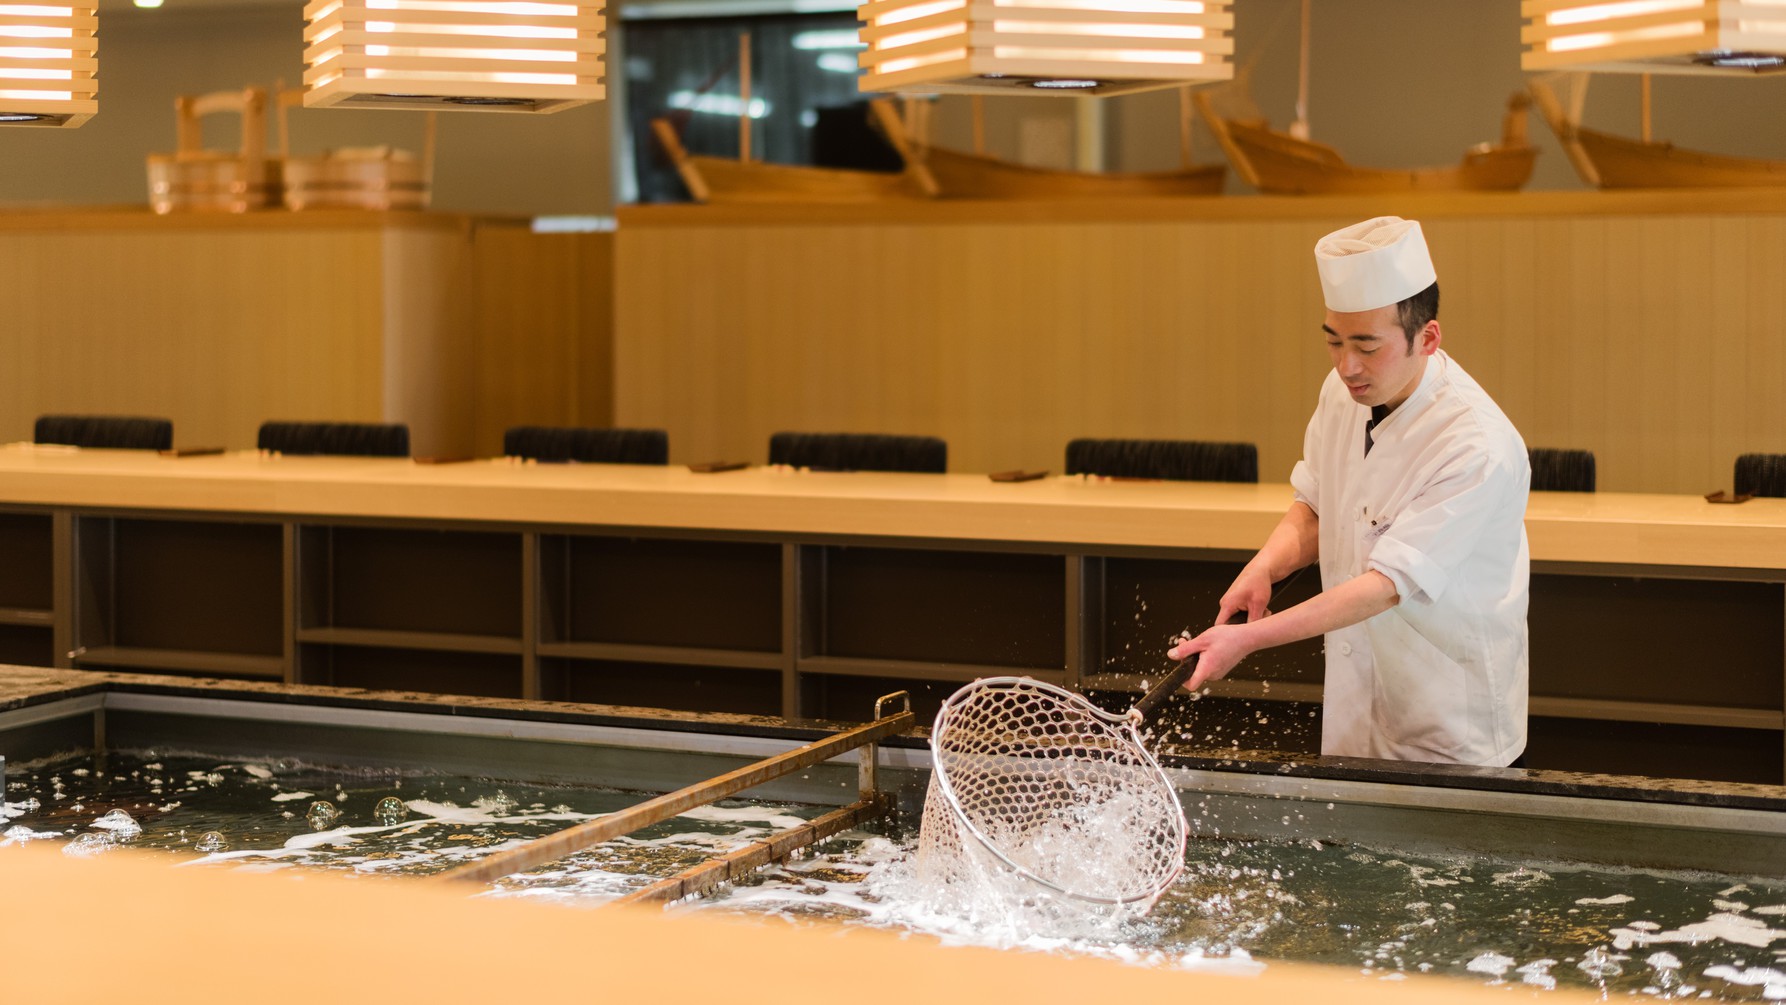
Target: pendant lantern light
1098, 47
483, 55
49, 67
1655, 36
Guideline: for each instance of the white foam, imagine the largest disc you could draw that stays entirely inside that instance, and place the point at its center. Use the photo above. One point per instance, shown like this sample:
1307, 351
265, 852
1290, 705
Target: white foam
286, 797
1521, 878
122, 825
1537, 973
1491, 963
258, 771
1728, 927
1771, 981
1617, 898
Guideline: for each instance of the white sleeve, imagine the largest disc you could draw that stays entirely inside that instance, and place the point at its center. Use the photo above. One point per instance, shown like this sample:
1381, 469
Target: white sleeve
1473, 499
1305, 477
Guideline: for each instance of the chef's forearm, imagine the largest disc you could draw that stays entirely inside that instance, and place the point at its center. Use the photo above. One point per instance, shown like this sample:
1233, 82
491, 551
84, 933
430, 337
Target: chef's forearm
1352, 601
1294, 543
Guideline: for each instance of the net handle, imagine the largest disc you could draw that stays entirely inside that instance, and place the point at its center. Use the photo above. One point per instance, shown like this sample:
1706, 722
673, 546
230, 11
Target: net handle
1149, 705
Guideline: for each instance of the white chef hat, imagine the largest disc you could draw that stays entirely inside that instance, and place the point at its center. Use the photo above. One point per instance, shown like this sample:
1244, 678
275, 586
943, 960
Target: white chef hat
1373, 264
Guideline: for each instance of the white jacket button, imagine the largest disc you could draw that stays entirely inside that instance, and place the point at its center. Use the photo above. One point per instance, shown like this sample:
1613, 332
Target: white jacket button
1345, 648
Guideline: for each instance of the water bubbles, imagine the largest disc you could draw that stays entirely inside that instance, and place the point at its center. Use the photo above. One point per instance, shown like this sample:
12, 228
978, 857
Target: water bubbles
1600, 964
390, 811
211, 841
89, 844
30, 805
122, 825
501, 804
322, 815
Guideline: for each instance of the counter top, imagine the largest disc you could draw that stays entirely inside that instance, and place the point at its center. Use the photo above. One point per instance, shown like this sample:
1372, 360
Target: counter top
1609, 528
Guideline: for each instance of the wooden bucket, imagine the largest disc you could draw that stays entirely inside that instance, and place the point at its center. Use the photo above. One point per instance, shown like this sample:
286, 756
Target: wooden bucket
212, 183
193, 179
376, 178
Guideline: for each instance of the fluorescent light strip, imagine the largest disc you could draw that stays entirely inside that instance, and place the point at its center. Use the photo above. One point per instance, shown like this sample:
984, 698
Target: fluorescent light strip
917, 11
916, 37
1098, 55
1604, 39
1611, 11
914, 62
1097, 30
1112, 6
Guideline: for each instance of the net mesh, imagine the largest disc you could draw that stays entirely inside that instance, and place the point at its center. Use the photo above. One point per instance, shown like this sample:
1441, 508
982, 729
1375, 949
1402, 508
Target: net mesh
1040, 801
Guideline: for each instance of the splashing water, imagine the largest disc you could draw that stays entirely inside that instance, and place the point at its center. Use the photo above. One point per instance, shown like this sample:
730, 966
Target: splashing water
1238, 906
322, 815
390, 811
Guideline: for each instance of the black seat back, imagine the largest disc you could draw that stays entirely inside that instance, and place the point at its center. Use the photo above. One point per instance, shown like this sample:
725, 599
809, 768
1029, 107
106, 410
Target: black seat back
1761, 475
860, 452
590, 446
1562, 470
122, 432
353, 439
1173, 460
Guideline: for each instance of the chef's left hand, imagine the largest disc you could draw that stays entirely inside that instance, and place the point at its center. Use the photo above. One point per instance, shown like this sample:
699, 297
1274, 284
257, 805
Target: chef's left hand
1218, 650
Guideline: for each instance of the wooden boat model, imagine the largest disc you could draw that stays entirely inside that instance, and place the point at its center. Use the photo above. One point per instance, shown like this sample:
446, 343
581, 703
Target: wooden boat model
1280, 163
744, 180
724, 180
976, 175
1609, 161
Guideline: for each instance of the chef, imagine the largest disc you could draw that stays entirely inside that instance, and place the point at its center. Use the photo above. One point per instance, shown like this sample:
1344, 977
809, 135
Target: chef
1411, 493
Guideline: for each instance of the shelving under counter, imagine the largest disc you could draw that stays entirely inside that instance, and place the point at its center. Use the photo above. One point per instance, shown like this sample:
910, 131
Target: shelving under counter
799, 593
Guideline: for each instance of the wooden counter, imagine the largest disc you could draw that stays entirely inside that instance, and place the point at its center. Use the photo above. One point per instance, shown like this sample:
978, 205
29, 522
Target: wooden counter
1658, 622
1611, 529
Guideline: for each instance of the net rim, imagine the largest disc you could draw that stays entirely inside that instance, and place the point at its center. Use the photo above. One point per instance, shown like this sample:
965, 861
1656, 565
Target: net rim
1126, 722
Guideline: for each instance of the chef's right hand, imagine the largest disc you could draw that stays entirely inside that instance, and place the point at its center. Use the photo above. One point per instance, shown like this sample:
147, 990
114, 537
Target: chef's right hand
1249, 595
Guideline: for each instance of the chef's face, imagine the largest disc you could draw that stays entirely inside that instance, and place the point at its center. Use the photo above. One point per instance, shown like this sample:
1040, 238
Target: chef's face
1372, 355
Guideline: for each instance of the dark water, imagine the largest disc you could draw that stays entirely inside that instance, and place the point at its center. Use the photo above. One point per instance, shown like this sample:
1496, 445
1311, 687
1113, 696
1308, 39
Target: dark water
1379, 914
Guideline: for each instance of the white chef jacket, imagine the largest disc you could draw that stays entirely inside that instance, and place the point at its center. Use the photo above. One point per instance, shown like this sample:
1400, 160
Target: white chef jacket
1438, 507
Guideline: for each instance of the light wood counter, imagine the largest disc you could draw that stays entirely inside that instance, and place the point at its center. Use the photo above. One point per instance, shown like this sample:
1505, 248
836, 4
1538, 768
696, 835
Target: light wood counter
1607, 528
809, 594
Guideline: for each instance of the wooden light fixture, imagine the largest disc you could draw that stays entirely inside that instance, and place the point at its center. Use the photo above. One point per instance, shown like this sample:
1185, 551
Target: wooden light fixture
1655, 36
49, 67
482, 55
1096, 47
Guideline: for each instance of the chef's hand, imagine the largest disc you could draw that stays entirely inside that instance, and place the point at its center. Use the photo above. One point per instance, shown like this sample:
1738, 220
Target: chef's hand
1218, 650
1250, 594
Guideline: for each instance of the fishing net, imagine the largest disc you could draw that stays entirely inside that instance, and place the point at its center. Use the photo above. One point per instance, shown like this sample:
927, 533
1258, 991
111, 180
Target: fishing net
1040, 801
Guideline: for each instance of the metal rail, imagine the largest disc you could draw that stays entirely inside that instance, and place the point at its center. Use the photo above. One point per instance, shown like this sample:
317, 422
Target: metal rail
753, 856
574, 839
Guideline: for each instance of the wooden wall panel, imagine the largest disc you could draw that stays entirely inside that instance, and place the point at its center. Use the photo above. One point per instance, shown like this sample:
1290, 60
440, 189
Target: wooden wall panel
217, 330
457, 326
1653, 338
542, 344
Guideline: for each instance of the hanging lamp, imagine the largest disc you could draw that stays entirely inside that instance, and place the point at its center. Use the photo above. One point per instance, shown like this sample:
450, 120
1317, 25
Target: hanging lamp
482, 55
49, 65
1098, 47
1655, 36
